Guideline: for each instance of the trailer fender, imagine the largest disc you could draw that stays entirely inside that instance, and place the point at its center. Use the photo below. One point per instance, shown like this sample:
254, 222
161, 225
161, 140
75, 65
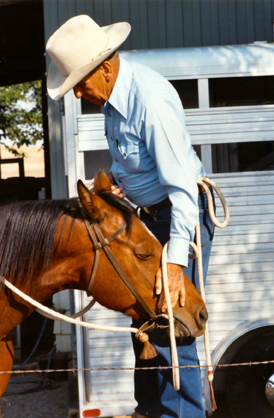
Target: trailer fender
236, 338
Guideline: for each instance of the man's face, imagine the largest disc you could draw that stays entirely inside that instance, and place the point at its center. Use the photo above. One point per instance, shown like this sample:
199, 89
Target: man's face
93, 87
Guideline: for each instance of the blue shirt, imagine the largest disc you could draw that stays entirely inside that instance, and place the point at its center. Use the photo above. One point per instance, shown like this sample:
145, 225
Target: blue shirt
151, 150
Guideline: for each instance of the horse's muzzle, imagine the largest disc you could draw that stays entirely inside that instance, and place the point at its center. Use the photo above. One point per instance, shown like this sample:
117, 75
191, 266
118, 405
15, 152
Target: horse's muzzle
202, 318
187, 325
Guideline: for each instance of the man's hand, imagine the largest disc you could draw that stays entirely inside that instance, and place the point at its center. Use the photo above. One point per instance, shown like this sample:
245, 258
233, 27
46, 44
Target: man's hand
118, 191
115, 189
176, 286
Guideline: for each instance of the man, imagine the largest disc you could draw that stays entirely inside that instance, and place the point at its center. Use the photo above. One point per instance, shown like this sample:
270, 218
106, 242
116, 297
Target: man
155, 166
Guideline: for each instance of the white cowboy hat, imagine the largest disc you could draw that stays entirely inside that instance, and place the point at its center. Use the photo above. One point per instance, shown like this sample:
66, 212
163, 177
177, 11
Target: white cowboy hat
76, 48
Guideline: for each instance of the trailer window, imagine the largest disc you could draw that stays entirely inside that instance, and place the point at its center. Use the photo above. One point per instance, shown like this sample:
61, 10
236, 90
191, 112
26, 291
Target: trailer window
244, 156
241, 91
188, 92
89, 108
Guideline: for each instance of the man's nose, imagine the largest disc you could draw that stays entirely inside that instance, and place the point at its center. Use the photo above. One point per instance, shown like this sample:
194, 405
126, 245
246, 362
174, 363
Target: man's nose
77, 92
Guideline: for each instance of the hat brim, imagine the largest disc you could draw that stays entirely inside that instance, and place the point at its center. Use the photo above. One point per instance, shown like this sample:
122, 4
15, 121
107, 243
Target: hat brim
58, 85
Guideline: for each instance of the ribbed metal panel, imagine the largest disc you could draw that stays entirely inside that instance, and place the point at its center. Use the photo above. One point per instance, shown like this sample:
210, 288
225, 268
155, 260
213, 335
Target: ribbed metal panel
210, 126
173, 23
239, 283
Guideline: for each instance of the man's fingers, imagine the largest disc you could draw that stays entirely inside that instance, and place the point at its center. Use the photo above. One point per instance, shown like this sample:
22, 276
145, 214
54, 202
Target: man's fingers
162, 303
115, 189
182, 296
173, 300
174, 296
176, 287
118, 191
158, 283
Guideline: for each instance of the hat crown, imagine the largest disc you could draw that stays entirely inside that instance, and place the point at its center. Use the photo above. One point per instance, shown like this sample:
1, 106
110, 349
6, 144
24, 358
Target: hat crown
76, 43
77, 48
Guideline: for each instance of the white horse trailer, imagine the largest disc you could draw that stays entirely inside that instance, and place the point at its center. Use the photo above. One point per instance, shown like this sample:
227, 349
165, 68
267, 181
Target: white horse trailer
228, 96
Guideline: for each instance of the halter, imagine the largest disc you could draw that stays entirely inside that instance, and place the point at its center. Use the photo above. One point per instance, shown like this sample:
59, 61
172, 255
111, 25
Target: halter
99, 243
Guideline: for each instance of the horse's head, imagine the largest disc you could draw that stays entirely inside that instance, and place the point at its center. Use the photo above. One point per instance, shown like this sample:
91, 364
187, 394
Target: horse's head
139, 254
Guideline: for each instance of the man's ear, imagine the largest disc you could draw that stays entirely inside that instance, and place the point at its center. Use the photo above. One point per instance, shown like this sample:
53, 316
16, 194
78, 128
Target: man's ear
107, 70
95, 207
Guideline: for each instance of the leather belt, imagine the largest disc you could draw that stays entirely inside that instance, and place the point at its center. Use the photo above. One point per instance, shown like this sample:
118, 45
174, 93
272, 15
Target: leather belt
201, 189
154, 209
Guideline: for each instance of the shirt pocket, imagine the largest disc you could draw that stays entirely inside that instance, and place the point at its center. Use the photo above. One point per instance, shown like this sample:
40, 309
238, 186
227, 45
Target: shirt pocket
130, 154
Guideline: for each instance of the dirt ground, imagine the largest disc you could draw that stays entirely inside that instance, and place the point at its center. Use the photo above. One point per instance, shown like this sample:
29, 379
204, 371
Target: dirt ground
55, 403
46, 403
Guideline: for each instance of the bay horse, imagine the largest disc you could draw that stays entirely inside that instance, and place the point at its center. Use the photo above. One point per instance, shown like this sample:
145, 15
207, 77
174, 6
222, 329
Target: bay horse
45, 247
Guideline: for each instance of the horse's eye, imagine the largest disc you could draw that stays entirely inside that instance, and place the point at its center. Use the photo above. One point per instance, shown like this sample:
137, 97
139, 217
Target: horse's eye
144, 256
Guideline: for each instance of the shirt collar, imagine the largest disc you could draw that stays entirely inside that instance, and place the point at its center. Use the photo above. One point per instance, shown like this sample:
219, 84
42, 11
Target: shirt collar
120, 93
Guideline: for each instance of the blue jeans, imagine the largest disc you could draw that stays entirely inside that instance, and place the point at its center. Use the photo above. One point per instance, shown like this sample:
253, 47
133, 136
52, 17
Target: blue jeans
154, 390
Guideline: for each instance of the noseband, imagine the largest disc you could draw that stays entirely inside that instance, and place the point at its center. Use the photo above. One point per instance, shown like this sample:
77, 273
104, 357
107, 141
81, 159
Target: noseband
99, 243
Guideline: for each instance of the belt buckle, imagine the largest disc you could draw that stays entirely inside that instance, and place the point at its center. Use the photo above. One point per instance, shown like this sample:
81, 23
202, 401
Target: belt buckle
201, 189
150, 211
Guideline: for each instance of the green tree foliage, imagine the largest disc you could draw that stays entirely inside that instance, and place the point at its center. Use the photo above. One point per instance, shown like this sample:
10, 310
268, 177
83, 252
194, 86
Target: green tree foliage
21, 115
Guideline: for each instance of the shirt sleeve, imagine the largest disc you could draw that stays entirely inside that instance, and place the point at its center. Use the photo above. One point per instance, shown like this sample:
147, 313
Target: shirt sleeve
168, 144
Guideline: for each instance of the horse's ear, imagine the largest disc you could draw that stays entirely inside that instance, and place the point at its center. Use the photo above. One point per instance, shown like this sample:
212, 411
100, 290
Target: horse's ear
101, 181
95, 207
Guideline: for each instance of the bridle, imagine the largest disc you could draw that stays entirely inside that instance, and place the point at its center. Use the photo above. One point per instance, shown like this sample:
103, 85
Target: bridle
99, 243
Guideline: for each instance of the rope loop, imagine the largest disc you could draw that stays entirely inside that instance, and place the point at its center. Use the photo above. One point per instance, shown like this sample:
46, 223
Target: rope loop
197, 248
195, 251
202, 181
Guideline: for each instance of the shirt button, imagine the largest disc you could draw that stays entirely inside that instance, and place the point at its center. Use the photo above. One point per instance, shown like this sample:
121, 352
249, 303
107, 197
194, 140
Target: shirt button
116, 161
111, 138
109, 115
124, 154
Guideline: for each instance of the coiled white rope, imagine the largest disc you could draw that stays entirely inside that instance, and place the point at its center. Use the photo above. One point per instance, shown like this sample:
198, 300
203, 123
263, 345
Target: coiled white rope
203, 182
197, 248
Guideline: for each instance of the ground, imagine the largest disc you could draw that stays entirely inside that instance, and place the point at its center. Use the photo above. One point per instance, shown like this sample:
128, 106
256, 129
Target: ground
43, 404
56, 397
56, 403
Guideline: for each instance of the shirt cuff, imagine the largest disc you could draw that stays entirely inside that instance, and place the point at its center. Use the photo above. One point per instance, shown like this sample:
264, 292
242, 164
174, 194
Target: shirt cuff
178, 251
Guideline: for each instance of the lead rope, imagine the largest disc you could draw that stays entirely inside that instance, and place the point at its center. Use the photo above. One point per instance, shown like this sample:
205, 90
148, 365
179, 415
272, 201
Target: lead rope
173, 347
198, 252
50, 313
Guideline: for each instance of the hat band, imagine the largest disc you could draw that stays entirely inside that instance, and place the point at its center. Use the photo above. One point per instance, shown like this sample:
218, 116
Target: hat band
100, 54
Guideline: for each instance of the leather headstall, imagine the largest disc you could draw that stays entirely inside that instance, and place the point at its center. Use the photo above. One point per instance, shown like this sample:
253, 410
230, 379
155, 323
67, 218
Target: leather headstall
99, 243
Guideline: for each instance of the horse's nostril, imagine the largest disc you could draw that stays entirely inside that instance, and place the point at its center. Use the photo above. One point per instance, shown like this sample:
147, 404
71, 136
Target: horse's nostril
203, 316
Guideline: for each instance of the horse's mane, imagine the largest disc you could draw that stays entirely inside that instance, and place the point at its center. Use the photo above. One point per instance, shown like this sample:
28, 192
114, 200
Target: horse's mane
27, 231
